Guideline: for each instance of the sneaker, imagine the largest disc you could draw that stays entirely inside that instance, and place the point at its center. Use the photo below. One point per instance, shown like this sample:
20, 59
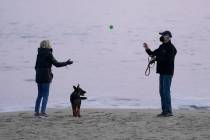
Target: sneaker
43, 114
161, 114
36, 114
168, 114
165, 114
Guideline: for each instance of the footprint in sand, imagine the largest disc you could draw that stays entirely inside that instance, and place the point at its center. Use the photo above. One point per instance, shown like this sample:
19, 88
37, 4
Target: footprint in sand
59, 117
58, 112
9, 120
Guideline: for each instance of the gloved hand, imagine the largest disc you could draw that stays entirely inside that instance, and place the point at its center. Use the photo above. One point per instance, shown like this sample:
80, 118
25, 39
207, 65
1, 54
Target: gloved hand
69, 62
146, 47
153, 59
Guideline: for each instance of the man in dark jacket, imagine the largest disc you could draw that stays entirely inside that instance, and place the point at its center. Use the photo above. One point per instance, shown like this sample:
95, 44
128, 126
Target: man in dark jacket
44, 76
164, 56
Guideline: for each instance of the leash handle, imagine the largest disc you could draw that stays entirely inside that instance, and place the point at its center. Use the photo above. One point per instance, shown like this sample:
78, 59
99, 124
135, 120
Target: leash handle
147, 71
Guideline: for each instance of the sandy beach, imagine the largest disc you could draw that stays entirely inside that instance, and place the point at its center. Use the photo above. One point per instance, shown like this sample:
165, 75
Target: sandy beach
106, 124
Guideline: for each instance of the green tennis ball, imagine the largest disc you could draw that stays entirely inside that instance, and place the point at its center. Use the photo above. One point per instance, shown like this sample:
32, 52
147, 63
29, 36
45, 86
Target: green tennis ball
111, 27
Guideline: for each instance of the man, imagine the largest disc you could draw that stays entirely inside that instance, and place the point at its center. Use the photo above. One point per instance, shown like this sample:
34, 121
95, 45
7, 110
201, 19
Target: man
164, 56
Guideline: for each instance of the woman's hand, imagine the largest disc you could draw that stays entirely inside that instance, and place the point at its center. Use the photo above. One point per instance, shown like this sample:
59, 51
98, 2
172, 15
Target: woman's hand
69, 62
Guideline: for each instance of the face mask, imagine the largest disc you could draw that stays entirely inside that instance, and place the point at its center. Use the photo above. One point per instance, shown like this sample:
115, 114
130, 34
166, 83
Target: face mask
161, 39
166, 38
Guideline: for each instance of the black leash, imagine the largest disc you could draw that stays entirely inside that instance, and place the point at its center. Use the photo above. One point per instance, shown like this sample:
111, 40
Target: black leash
149, 66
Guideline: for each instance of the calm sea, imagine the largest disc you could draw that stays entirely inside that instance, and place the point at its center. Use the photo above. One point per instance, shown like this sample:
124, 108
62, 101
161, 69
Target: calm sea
109, 63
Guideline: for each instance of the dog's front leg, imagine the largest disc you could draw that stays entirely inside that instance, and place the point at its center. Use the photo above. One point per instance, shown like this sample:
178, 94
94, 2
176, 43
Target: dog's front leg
74, 111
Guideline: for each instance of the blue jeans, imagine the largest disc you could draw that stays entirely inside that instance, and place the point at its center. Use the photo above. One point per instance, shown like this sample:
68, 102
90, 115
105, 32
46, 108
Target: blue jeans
165, 93
43, 93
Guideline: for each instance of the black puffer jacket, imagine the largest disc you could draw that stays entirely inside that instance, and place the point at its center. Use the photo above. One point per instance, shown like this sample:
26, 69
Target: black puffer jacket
44, 62
165, 56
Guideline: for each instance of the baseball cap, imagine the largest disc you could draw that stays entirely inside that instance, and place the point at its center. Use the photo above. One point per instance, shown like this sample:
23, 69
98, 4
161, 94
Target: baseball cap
166, 33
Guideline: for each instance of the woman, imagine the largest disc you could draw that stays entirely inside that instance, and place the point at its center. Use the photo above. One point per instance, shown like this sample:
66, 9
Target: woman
44, 76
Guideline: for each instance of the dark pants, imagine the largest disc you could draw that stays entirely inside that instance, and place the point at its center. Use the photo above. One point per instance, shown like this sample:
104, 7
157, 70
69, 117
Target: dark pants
165, 93
43, 93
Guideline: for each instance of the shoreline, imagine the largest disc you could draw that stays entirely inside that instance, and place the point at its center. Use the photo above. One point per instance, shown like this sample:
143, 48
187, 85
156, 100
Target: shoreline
103, 124
183, 107
69, 109
110, 103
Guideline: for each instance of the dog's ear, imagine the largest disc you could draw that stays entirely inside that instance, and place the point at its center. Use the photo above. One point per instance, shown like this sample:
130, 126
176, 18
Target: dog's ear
78, 86
74, 87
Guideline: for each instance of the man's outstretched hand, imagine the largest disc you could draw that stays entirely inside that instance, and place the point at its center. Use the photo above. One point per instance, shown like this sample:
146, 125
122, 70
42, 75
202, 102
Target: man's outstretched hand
145, 46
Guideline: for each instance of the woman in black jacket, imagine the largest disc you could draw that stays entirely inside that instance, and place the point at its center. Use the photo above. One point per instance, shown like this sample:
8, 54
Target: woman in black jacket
44, 76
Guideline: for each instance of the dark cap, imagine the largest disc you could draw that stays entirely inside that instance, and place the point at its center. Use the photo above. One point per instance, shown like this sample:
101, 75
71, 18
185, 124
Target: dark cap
166, 33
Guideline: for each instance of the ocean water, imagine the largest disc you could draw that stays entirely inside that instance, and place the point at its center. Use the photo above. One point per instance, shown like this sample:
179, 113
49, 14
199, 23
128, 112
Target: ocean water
109, 64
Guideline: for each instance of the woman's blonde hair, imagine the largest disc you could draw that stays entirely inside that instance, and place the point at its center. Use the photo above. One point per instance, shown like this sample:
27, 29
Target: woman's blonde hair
45, 44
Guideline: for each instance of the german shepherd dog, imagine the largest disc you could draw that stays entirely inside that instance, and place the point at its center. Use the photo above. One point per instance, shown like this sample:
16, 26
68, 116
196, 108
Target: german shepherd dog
75, 99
